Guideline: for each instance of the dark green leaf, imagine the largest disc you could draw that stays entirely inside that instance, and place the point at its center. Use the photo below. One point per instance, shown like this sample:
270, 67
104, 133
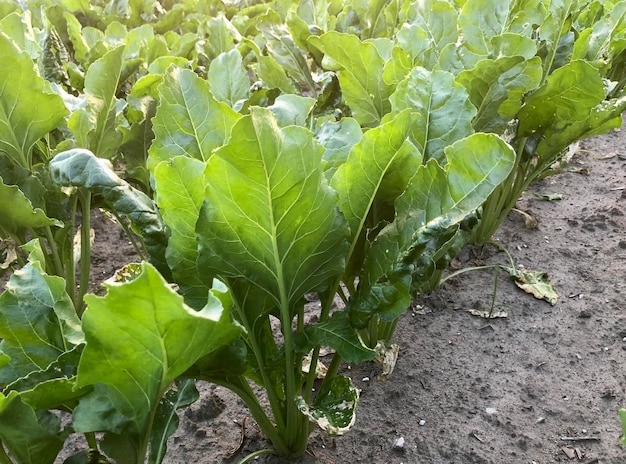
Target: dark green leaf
337, 333
81, 168
30, 439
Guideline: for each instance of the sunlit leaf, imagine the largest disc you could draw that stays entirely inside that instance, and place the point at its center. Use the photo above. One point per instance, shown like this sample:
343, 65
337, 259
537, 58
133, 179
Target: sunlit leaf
28, 108
269, 218
189, 121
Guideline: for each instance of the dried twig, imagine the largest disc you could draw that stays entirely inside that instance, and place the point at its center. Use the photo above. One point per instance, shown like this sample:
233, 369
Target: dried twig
580, 438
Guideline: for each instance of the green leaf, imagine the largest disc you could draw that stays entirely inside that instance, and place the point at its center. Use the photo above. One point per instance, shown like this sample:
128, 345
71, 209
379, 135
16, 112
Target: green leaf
281, 46
335, 412
568, 95
553, 28
269, 218
37, 322
379, 167
81, 168
291, 110
360, 69
17, 212
600, 120
478, 28
228, 78
179, 186
497, 88
602, 39
54, 386
434, 204
29, 438
95, 126
622, 416
509, 44
443, 107
28, 108
338, 138
273, 74
432, 26
19, 27
141, 336
337, 333
476, 165
166, 420
189, 121
221, 36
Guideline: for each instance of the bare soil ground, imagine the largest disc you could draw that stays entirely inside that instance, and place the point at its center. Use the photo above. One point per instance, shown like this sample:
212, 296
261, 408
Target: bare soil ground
472, 390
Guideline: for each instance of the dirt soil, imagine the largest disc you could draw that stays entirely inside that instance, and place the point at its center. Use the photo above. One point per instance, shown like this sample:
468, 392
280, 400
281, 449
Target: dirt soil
465, 390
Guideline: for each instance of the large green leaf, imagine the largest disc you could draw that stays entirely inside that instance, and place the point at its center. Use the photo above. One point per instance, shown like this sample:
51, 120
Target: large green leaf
600, 120
604, 39
95, 125
497, 88
555, 26
360, 68
433, 206
189, 121
269, 218
80, 168
54, 386
221, 35
433, 20
19, 27
291, 109
477, 27
444, 110
281, 46
37, 322
140, 337
377, 170
228, 78
28, 108
568, 95
179, 185
17, 211
29, 438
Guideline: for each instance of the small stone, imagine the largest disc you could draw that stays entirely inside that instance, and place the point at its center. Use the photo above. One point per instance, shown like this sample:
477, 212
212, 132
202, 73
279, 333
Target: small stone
422, 422
399, 443
491, 411
366, 379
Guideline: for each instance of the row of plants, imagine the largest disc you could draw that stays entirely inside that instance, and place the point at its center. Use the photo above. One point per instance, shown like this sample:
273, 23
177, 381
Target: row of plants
260, 154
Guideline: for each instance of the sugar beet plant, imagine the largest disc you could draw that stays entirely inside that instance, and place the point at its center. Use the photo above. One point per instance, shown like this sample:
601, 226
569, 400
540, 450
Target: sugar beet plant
376, 139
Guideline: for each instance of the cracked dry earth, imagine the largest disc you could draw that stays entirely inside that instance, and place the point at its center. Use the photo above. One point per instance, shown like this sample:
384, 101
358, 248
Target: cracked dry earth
471, 390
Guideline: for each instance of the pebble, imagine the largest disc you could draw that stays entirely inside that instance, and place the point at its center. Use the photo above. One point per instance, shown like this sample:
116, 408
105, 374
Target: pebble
399, 443
422, 422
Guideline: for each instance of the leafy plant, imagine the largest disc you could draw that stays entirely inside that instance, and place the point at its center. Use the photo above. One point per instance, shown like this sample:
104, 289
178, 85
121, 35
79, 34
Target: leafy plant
112, 370
324, 149
274, 226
